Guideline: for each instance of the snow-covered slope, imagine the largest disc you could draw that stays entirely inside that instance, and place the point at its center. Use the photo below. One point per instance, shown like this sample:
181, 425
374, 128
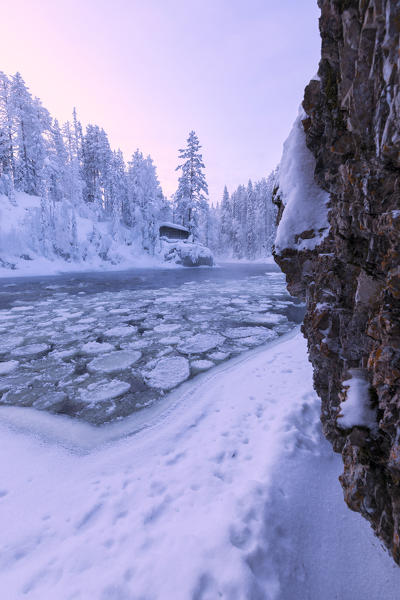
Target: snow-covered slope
229, 493
67, 238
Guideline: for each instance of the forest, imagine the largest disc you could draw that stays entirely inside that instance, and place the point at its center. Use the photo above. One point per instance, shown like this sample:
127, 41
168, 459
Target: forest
86, 201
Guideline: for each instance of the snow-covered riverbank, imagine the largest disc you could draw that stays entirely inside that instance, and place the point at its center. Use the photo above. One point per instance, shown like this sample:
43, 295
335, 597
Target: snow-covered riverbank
40, 266
230, 494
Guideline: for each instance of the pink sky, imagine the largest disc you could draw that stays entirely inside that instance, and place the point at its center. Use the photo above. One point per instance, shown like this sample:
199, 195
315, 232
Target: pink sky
150, 71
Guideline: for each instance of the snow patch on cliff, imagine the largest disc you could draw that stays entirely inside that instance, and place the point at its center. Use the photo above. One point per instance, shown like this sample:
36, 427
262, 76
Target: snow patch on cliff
304, 223
356, 409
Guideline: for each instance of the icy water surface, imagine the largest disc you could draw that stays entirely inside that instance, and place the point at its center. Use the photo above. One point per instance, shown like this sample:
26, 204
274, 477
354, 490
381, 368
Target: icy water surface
102, 346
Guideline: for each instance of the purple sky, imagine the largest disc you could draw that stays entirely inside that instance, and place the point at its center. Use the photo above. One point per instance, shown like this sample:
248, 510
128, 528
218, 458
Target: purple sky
148, 71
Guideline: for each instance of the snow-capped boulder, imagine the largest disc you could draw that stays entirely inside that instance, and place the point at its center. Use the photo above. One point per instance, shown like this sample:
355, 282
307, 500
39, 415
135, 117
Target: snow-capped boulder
186, 253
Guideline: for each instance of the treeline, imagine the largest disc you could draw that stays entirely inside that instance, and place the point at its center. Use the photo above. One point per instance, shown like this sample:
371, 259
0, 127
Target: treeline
243, 225
66, 164
93, 203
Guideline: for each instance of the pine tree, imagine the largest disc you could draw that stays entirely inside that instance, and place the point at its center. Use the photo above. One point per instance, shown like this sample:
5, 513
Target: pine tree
191, 197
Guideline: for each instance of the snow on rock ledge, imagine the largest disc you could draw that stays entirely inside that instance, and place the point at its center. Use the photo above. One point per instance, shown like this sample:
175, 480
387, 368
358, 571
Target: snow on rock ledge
304, 223
355, 409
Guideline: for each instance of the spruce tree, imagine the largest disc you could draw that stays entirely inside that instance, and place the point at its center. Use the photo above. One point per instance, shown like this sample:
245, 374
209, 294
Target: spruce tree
191, 197
251, 237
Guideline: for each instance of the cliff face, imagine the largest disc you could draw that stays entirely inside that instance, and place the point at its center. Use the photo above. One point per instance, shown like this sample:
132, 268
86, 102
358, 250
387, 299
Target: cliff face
351, 281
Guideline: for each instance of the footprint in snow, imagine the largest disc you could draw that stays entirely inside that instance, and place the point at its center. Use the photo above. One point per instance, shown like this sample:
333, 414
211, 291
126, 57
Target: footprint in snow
175, 459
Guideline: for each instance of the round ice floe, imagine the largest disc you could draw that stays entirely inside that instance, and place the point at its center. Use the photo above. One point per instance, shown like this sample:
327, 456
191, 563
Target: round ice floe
256, 340
21, 308
62, 354
15, 381
269, 319
114, 362
48, 399
201, 365
173, 339
201, 342
8, 367
199, 318
59, 320
102, 391
120, 331
244, 332
10, 342
166, 327
96, 348
168, 373
5, 316
79, 328
136, 345
219, 356
68, 313
30, 350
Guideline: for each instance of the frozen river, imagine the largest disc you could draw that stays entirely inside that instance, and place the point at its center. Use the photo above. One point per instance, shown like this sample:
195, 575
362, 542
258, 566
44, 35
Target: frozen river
100, 346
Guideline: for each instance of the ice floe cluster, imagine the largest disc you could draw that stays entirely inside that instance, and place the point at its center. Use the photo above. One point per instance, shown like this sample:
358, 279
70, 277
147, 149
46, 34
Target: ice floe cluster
102, 356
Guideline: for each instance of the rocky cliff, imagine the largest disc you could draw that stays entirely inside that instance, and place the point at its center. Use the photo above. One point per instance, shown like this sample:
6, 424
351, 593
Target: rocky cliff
351, 279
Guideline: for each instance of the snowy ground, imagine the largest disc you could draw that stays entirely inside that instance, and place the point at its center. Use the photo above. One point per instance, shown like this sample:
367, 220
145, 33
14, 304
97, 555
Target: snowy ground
40, 265
229, 492
100, 349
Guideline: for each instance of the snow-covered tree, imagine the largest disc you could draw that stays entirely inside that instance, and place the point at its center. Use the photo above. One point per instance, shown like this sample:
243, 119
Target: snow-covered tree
246, 221
251, 223
96, 170
226, 224
74, 146
118, 190
79, 180
191, 197
145, 199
